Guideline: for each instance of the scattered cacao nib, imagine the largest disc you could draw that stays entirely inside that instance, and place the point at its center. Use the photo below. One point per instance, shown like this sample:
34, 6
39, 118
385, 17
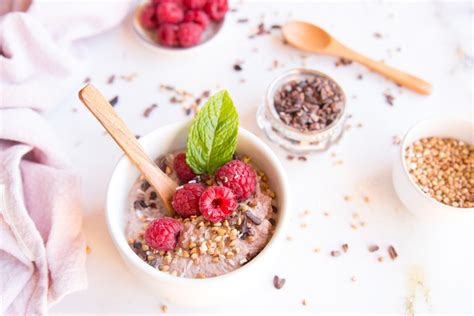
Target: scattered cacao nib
275, 64
137, 245
377, 35
153, 195
335, 253
278, 282
137, 136
345, 247
310, 104
153, 205
290, 157
237, 67
144, 186
243, 228
149, 109
389, 98
167, 87
262, 30
392, 252
243, 20
161, 163
175, 100
139, 205
114, 100
87, 80
343, 62
360, 77
275, 27
255, 219
272, 221
111, 79
302, 158
373, 248
274, 209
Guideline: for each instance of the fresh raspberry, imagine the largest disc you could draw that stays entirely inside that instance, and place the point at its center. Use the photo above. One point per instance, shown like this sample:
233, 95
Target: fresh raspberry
186, 199
163, 233
216, 9
197, 16
194, 4
184, 171
217, 203
148, 17
166, 34
189, 34
169, 12
239, 177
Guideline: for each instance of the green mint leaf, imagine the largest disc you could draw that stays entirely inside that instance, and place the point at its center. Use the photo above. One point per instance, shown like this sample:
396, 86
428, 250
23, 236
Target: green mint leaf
213, 135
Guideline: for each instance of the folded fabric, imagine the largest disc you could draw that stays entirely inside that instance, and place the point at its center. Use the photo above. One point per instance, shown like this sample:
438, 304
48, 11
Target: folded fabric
42, 249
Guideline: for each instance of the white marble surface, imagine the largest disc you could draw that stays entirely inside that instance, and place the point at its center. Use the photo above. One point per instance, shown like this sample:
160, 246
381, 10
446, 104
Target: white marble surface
435, 41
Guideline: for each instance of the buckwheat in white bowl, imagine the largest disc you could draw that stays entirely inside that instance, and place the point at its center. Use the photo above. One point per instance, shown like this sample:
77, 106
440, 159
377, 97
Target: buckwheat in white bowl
433, 173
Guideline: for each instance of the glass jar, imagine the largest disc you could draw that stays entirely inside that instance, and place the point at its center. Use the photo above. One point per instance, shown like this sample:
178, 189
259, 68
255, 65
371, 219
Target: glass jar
290, 138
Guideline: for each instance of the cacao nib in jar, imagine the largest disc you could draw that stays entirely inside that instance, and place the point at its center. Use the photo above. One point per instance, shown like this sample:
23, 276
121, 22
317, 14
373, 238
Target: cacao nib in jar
303, 111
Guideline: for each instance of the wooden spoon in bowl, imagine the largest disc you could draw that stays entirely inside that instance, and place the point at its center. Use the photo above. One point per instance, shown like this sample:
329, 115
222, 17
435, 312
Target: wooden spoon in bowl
115, 126
312, 38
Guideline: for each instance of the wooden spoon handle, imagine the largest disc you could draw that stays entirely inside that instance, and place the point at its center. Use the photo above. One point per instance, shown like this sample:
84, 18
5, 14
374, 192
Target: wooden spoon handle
400, 77
105, 114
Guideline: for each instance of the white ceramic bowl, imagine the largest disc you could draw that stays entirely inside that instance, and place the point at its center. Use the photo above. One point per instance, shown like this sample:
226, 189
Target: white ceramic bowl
147, 37
419, 203
186, 291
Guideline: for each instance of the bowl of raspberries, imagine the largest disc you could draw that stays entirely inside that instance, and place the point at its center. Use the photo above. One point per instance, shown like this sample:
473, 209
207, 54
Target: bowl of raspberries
179, 24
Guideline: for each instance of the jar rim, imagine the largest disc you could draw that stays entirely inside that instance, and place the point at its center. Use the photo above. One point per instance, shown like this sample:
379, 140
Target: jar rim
293, 74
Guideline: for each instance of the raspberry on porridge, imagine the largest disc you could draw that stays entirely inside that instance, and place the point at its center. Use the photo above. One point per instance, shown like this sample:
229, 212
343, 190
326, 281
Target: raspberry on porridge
203, 248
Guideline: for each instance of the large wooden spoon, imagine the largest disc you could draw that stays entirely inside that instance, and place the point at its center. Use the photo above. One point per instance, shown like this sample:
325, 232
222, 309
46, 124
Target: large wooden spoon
312, 38
115, 126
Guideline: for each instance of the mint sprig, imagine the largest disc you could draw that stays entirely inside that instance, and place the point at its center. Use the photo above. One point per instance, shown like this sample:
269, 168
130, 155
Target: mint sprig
213, 135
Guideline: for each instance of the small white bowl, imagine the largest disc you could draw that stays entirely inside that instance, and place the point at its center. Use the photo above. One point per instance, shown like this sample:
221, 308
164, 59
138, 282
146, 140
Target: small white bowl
187, 291
419, 203
147, 37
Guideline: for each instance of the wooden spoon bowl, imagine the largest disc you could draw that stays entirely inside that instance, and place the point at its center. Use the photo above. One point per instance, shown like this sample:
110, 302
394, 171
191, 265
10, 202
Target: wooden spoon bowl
312, 38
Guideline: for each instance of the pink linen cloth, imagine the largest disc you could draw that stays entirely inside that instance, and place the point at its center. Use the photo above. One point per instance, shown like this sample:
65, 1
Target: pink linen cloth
42, 249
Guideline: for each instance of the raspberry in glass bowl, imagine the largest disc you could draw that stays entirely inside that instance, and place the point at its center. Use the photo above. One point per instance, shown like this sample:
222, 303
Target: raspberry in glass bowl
179, 25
